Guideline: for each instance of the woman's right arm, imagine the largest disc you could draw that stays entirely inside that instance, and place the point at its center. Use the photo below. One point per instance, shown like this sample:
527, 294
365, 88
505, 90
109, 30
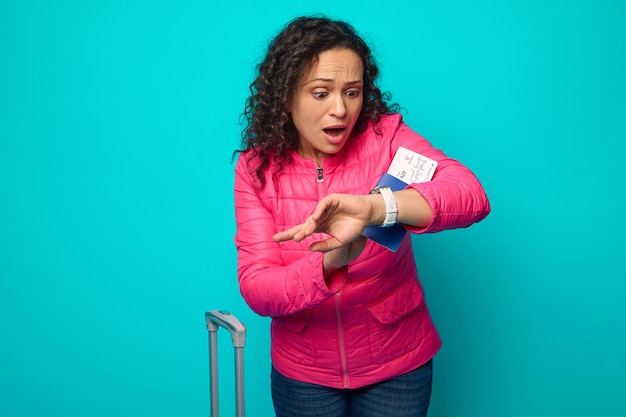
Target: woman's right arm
270, 285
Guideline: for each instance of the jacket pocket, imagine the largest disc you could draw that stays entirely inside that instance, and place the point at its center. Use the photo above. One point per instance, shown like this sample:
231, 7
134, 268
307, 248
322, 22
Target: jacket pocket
291, 338
396, 328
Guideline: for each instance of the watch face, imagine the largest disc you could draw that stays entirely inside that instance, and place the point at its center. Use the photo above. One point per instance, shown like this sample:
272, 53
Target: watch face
377, 189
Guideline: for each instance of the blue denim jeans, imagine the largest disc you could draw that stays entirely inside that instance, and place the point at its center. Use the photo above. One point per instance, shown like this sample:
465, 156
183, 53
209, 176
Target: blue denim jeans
407, 395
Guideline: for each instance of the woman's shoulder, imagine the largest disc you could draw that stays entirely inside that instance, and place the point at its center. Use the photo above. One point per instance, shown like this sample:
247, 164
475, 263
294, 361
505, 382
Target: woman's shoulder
246, 166
244, 159
250, 164
390, 120
385, 127
250, 159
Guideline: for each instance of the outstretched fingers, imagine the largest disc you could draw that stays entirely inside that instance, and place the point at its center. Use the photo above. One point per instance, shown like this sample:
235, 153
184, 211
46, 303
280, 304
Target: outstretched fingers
296, 233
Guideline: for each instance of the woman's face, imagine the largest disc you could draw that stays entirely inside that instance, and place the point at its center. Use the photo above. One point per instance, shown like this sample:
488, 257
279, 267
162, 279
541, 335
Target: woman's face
327, 103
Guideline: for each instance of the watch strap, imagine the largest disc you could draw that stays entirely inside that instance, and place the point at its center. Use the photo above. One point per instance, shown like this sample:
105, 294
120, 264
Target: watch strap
391, 206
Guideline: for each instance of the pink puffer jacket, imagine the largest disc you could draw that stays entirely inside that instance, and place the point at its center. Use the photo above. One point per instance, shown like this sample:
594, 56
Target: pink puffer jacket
373, 323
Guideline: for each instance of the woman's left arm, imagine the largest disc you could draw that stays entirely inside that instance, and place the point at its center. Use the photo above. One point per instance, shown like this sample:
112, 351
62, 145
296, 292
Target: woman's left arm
454, 196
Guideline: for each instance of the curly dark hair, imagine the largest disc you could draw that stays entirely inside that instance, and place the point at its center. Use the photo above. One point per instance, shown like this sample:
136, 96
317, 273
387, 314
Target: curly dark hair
268, 129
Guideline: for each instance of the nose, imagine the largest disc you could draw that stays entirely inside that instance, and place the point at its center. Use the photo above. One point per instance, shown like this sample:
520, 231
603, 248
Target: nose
338, 106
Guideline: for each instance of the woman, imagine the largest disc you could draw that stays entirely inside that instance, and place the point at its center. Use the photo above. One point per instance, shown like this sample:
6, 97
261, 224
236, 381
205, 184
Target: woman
351, 333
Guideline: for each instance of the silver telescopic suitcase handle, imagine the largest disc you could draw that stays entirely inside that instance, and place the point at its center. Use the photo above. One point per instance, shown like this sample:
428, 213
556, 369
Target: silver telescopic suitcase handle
214, 320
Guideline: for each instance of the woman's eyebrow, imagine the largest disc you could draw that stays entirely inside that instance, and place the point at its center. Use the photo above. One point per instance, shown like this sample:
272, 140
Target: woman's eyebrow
330, 80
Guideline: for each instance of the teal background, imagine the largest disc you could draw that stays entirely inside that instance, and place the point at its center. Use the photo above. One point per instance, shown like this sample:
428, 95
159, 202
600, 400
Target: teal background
117, 124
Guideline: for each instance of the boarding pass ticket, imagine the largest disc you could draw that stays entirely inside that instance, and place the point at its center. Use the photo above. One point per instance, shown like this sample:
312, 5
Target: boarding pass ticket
411, 167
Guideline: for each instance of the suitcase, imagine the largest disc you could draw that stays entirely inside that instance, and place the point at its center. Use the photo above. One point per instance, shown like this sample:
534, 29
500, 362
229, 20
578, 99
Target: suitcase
214, 320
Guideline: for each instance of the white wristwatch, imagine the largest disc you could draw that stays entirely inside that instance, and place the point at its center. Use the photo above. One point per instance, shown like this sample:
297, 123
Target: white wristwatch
391, 207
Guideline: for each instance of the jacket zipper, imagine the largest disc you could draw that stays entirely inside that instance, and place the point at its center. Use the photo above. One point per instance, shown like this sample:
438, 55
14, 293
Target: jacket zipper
342, 342
321, 189
340, 329
320, 174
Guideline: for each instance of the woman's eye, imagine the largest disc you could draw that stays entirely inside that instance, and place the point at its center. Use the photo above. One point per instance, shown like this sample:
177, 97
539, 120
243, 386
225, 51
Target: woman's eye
320, 94
353, 93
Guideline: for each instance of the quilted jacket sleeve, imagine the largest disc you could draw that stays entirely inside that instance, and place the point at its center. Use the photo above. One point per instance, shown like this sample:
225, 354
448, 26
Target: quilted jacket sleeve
270, 285
455, 195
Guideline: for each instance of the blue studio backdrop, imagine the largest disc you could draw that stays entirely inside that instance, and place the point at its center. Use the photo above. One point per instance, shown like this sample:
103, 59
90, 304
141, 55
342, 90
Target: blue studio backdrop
117, 124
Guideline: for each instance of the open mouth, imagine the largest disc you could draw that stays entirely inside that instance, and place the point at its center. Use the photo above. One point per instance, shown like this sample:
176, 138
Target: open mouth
334, 131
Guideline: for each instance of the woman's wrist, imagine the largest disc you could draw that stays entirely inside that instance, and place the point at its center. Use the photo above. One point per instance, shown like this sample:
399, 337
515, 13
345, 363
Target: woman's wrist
378, 209
330, 264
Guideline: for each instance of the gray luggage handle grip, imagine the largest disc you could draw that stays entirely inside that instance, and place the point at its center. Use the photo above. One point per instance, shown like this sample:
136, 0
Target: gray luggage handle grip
221, 318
